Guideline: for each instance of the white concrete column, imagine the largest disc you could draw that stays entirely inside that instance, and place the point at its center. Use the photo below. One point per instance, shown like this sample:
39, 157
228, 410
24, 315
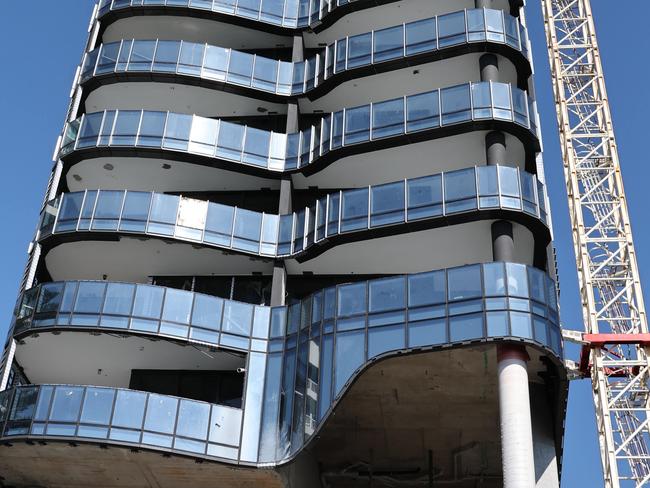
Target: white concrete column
516, 426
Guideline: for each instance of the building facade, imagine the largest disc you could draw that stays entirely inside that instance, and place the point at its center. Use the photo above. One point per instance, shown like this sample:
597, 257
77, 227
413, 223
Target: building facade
292, 243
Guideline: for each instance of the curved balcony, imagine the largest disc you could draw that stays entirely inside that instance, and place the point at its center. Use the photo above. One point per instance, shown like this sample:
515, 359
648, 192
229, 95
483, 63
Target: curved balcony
280, 16
336, 333
374, 52
216, 143
456, 197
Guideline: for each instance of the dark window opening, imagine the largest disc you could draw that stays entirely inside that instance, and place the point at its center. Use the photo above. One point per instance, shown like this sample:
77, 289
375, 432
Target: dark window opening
255, 290
221, 387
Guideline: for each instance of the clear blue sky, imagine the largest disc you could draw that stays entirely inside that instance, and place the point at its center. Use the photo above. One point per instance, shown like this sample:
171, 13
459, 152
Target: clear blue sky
41, 46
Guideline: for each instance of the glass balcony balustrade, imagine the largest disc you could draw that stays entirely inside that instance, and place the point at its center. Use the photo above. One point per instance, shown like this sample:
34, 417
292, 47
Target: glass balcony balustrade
279, 152
233, 67
430, 198
307, 352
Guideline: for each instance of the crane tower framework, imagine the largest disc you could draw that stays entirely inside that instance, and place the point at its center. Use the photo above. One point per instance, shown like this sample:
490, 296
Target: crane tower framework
616, 329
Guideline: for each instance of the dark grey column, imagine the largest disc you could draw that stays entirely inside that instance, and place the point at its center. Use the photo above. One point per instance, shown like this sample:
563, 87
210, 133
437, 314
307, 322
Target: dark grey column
503, 244
515, 5
489, 64
279, 284
483, 3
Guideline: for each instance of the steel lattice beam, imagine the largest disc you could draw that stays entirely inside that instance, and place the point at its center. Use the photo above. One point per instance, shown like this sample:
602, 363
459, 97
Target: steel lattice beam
612, 301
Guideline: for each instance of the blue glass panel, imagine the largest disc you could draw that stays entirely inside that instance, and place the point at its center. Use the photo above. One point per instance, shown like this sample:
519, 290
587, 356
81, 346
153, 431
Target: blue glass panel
476, 25
97, 406
230, 141
456, 105
354, 215
359, 50
424, 197
256, 148
237, 318
190, 59
497, 324
350, 355
464, 283
141, 55
488, 186
422, 111
240, 68
421, 36
265, 74
69, 212
460, 190
178, 306
384, 339
451, 29
351, 299
135, 211
89, 130
215, 63
151, 129
482, 100
465, 327
521, 325
494, 279
218, 224
177, 131
337, 129
341, 55
161, 414
387, 204
66, 403
517, 280
427, 288
357, 124
126, 127
495, 25
119, 297
325, 380
388, 118
246, 231
193, 419
501, 101
166, 57
148, 301
272, 11
107, 210
386, 294
164, 210
427, 333
389, 44
89, 297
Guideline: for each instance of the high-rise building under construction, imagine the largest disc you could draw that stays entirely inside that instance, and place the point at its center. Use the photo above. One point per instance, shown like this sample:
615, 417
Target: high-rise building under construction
293, 244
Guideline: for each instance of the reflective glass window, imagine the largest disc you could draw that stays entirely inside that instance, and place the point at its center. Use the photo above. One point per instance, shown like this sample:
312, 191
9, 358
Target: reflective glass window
517, 280
386, 294
230, 142
389, 44
141, 55
427, 333
427, 288
424, 197
215, 64
270, 234
341, 55
351, 299
350, 355
527, 182
190, 58
509, 183
520, 324
354, 213
246, 233
456, 104
466, 327
357, 124
256, 148
422, 111
421, 36
126, 127
193, 419
512, 31
359, 50
387, 204
89, 297
107, 128
203, 136
164, 209
226, 6
495, 25
108, 57
135, 211
298, 81
148, 301
266, 74
248, 8
70, 211
89, 130
520, 105
488, 186
151, 129
218, 225
161, 414
129, 409
178, 306
237, 318
177, 131
337, 129
464, 283
501, 101
272, 11
206, 311
460, 190
107, 210
97, 406
66, 404
166, 57
384, 339
388, 118
476, 25
285, 234
125, 54
537, 284
119, 297
451, 29
494, 279
481, 100
285, 77
49, 298
240, 68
